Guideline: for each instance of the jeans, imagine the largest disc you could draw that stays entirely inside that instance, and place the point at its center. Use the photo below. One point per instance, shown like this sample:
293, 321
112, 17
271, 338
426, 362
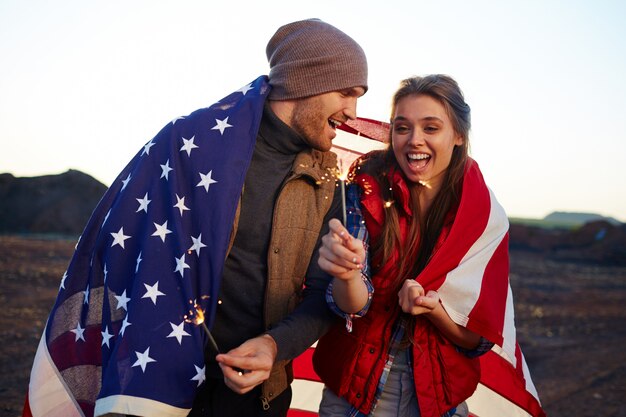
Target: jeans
398, 398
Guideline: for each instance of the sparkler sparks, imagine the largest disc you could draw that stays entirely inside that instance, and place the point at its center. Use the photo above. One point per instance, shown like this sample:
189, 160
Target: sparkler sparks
196, 316
342, 175
425, 183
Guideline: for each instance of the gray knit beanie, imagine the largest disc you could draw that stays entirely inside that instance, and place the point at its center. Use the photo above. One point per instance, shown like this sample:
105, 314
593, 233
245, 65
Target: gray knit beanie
311, 57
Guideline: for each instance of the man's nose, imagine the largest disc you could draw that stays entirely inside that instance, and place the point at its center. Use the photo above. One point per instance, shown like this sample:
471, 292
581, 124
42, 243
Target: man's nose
350, 110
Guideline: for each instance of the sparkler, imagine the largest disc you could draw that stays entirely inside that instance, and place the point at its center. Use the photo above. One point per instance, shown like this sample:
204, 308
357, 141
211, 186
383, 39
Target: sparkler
197, 317
342, 176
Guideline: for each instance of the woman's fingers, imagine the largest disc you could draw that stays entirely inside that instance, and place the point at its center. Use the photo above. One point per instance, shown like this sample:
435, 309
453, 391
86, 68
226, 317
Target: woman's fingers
409, 295
338, 261
340, 251
413, 299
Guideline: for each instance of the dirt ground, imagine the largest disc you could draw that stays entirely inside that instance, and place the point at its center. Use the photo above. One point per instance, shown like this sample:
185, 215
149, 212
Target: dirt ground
571, 321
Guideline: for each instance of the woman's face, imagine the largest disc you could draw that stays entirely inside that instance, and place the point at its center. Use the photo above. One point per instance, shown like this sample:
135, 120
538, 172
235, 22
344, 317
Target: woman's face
423, 139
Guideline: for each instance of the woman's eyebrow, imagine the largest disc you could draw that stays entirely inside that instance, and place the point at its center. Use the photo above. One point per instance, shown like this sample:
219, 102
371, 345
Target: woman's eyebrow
426, 118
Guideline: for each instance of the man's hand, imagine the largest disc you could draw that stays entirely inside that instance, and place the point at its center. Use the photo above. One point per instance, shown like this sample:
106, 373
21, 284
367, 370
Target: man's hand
248, 365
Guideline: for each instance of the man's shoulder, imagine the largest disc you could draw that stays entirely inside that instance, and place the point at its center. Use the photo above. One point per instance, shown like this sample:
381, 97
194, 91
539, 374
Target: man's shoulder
319, 160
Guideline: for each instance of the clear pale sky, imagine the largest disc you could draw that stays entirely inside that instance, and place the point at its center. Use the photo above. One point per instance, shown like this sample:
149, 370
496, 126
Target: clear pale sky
84, 84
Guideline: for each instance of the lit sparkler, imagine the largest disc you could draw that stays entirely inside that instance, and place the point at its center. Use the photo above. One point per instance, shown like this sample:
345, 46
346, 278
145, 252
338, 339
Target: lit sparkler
342, 176
196, 317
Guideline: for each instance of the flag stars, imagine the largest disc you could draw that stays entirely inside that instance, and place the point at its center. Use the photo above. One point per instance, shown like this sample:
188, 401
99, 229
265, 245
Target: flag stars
125, 182
146, 148
139, 259
106, 217
122, 301
177, 119
143, 203
243, 90
79, 332
86, 294
125, 324
206, 180
165, 170
200, 375
178, 332
181, 265
62, 286
197, 244
143, 359
180, 204
152, 292
221, 125
188, 145
119, 238
161, 230
106, 336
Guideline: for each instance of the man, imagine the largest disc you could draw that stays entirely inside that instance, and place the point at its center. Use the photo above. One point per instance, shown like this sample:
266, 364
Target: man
220, 213
317, 73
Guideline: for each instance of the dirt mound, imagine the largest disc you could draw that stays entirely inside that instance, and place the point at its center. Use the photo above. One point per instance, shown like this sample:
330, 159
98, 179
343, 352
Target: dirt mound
599, 242
57, 204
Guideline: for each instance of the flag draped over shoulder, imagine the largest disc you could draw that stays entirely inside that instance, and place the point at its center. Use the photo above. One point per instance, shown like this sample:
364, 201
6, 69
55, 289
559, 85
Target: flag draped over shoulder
470, 271
121, 337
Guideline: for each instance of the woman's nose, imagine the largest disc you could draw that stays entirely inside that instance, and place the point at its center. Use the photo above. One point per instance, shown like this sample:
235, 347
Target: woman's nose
416, 139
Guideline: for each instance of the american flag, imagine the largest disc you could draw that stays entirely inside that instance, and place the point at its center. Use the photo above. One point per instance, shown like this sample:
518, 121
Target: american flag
467, 272
121, 337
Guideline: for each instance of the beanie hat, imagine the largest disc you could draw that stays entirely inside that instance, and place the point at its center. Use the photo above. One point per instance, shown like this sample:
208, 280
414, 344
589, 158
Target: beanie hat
311, 57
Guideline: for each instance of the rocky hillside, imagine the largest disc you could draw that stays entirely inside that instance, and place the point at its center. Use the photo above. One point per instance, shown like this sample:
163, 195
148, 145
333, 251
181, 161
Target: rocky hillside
599, 242
59, 204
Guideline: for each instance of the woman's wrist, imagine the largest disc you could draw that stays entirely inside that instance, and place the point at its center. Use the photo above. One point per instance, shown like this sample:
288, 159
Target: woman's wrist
354, 278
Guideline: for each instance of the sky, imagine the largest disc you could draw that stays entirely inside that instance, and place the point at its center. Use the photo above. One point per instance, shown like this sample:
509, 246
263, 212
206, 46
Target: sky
85, 84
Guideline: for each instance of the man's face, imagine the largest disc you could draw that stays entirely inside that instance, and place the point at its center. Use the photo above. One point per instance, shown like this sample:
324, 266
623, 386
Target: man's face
315, 118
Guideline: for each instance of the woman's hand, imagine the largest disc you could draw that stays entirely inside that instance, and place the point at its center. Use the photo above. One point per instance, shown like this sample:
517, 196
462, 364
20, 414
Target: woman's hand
413, 299
340, 254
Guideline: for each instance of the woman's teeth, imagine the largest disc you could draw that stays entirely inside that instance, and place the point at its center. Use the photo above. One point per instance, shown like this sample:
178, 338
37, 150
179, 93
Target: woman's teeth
418, 160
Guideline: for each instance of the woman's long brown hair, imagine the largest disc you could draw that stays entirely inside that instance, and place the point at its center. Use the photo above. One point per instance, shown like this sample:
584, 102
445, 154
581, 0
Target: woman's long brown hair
415, 252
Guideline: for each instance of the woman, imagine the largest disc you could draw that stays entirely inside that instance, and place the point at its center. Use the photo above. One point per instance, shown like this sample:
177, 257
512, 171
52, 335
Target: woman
439, 267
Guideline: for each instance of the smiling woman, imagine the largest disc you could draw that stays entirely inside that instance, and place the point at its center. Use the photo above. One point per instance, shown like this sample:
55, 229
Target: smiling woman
429, 297
423, 140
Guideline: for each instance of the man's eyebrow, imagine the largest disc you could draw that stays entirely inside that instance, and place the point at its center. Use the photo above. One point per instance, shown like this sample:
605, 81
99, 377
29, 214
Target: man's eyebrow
354, 91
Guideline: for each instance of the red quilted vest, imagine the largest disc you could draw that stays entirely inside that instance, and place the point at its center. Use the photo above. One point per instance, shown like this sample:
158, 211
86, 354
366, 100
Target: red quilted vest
351, 364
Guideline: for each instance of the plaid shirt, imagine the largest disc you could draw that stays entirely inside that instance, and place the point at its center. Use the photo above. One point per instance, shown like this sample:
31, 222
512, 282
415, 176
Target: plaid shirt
356, 227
